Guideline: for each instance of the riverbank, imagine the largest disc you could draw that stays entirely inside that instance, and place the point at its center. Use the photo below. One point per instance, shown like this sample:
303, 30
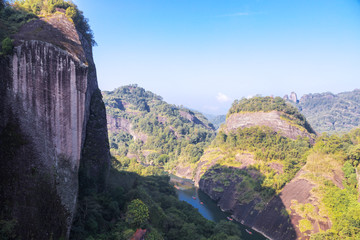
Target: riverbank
208, 208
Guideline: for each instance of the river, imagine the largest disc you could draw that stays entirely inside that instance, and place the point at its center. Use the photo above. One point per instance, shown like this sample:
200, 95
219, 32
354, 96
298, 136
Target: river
186, 191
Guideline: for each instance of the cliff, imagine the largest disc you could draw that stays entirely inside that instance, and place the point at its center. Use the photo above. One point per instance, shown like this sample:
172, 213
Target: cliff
252, 169
282, 217
271, 119
52, 119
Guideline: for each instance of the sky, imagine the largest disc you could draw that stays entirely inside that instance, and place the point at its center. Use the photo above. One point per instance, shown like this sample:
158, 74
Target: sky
204, 54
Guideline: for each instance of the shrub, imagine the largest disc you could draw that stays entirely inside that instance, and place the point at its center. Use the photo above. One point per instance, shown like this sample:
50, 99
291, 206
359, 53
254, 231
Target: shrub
7, 46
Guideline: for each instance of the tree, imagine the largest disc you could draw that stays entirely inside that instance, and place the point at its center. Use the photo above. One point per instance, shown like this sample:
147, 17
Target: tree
137, 213
354, 155
2, 4
7, 46
71, 12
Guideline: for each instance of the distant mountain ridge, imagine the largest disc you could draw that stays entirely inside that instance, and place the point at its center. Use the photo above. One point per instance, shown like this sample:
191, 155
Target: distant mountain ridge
216, 120
331, 113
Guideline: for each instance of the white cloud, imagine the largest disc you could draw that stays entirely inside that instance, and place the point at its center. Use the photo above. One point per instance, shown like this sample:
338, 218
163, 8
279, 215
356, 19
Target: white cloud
222, 97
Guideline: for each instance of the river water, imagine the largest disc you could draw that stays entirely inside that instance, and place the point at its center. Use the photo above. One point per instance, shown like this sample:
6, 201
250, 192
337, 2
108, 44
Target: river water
186, 191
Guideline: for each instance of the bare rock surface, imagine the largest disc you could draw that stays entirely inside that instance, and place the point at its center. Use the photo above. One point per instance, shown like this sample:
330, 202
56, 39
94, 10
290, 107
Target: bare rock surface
50, 100
270, 119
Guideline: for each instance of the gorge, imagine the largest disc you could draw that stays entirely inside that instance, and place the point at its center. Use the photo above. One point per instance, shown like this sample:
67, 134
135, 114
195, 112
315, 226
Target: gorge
78, 163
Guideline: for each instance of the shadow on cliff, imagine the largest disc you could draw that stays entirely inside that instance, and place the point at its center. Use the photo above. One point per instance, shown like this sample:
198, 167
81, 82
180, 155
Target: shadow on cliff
30, 207
240, 192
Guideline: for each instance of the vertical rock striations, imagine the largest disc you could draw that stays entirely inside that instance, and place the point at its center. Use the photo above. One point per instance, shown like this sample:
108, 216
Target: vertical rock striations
52, 121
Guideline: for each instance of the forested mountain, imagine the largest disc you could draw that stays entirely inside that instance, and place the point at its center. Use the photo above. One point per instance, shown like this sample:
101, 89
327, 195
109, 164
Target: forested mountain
143, 126
284, 186
331, 113
216, 120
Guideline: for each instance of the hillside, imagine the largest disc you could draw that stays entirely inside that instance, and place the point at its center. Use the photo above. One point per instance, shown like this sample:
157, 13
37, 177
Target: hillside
143, 126
257, 152
331, 113
281, 186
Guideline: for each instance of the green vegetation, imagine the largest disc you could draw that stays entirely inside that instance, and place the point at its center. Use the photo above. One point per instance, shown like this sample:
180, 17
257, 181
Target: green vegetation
11, 19
7, 46
332, 113
45, 7
131, 202
13, 16
333, 155
266, 146
305, 225
137, 213
267, 104
157, 133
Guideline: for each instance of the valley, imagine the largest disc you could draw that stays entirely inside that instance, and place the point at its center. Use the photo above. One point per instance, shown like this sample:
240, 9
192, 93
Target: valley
81, 163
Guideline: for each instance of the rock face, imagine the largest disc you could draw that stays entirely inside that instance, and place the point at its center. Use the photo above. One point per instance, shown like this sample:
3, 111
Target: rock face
268, 221
274, 219
293, 97
274, 215
271, 119
118, 123
50, 104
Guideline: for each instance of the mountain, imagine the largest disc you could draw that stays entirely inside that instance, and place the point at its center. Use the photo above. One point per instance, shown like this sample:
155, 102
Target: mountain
216, 120
332, 113
52, 118
252, 160
283, 185
143, 126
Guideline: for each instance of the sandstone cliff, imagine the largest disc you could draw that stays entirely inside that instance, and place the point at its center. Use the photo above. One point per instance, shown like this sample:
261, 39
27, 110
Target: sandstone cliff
52, 119
282, 217
249, 171
271, 119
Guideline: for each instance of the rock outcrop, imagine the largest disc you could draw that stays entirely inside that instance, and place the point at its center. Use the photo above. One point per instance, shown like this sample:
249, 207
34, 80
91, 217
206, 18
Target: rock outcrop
237, 178
280, 218
52, 116
117, 124
270, 119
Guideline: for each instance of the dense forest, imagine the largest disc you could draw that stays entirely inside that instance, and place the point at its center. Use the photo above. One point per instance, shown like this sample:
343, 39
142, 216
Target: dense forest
337, 201
132, 202
153, 132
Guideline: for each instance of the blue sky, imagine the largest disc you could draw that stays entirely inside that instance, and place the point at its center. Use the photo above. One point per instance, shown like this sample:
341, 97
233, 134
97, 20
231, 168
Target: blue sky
203, 54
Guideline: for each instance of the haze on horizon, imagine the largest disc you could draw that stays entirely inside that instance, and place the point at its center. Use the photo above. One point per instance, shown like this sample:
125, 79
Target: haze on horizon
204, 54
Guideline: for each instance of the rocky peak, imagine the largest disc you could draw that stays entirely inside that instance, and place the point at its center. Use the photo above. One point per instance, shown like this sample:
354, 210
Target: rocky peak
292, 97
271, 119
55, 29
275, 113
